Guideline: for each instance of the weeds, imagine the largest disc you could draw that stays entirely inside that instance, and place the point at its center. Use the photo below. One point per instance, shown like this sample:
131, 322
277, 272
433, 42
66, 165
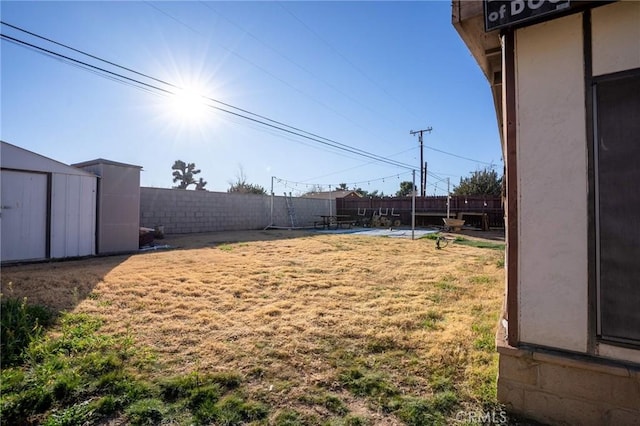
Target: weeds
82, 376
319, 397
364, 383
20, 323
432, 318
479, 244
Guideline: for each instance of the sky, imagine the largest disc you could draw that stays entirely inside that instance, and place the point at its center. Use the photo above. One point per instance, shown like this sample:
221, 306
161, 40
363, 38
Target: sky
214, 83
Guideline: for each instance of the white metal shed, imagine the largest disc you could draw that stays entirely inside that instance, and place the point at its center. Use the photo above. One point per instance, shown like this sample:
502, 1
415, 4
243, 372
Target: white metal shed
118, 204
48, 208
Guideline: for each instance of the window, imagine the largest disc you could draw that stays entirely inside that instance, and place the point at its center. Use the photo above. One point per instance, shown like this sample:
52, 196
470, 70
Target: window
617, 184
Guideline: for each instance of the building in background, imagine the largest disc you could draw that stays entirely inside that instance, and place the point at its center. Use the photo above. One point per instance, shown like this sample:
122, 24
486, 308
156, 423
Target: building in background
332, 195
565, 79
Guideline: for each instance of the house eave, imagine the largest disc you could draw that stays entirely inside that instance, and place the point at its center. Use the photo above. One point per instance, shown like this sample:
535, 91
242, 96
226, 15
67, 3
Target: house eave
467, 17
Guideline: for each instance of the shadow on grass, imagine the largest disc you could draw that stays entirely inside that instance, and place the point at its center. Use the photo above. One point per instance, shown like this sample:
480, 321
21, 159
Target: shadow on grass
212, 239
59, 285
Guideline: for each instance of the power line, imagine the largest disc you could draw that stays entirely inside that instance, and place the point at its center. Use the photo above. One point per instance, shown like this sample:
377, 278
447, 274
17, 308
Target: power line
288, 183
356, 167
367, 181
264, 70
346, 59
265, 121
459, 156
285, 57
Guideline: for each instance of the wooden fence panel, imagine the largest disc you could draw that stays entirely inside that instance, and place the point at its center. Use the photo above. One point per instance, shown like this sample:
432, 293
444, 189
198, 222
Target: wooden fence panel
429, 210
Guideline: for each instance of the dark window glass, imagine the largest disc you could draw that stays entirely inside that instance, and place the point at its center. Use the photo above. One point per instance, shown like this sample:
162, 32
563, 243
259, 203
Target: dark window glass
617, 137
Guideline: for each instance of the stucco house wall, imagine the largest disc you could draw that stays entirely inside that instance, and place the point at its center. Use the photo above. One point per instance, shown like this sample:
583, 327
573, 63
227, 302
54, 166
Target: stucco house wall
556, 365
552, 182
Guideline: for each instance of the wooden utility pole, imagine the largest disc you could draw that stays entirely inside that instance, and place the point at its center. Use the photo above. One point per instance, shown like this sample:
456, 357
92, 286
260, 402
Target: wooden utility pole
423, 169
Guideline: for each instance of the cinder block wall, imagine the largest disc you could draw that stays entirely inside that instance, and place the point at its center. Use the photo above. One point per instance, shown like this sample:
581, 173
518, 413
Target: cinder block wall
183, 211
562, 390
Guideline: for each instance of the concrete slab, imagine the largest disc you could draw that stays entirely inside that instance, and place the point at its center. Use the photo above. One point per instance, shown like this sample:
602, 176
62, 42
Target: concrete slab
381, 232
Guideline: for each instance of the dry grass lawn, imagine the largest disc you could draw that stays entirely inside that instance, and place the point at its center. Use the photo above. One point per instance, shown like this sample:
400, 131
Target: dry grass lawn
291, 311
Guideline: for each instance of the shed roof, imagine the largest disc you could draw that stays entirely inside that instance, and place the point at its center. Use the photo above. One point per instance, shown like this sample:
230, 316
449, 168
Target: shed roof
98, 161
16, 158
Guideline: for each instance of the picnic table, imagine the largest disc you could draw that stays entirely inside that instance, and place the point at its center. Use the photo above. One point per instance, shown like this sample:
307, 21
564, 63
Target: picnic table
484, 218
333, 221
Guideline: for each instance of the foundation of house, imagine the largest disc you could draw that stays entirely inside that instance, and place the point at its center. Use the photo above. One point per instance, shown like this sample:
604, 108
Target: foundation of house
566, 390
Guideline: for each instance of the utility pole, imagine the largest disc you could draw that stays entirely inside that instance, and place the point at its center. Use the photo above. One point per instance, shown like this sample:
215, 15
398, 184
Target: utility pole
448, 198
413, 205
423, 169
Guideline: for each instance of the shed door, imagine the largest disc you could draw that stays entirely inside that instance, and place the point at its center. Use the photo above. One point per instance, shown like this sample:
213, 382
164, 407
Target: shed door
23, 220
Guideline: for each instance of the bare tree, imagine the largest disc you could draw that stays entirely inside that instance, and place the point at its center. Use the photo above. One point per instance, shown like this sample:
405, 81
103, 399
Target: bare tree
241, 184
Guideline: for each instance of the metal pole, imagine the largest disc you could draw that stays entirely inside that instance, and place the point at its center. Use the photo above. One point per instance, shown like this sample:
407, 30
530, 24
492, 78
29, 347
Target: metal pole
330, 206
413, 206
422, 171
272, 195
425, 178
448, 199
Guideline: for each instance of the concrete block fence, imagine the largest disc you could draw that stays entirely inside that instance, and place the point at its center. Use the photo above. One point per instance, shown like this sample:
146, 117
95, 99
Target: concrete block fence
182, 211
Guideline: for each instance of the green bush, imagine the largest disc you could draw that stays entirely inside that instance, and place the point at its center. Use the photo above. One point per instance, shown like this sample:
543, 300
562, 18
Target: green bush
20, 324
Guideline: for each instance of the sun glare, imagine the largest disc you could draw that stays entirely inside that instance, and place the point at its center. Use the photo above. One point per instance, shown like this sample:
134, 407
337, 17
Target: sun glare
189, 105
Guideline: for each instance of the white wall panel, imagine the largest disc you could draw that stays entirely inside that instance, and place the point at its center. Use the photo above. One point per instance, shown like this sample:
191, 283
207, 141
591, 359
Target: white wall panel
73, 216
552, 184
616, 37
23, 220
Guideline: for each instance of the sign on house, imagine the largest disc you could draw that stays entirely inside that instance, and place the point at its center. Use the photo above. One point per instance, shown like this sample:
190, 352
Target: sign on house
504, 13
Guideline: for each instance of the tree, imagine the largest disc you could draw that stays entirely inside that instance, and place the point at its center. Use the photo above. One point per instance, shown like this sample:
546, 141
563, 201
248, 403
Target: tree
314, 190
200, 185
372, 194
406, 189
183, 173
241, 185
483, 182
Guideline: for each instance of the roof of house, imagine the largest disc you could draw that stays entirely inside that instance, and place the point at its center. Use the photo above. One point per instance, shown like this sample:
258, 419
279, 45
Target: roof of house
330, 195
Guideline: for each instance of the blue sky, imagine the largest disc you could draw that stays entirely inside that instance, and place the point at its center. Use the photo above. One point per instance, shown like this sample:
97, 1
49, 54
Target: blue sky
363, 74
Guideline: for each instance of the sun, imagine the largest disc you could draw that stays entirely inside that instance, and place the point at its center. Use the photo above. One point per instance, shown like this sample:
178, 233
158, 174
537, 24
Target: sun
189, 105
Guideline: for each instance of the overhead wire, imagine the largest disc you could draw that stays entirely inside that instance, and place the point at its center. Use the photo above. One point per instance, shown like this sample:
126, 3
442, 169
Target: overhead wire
458, 156
261, 68
346, 59
307, 184
263, 120
285, 57
358, 166
149, 88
